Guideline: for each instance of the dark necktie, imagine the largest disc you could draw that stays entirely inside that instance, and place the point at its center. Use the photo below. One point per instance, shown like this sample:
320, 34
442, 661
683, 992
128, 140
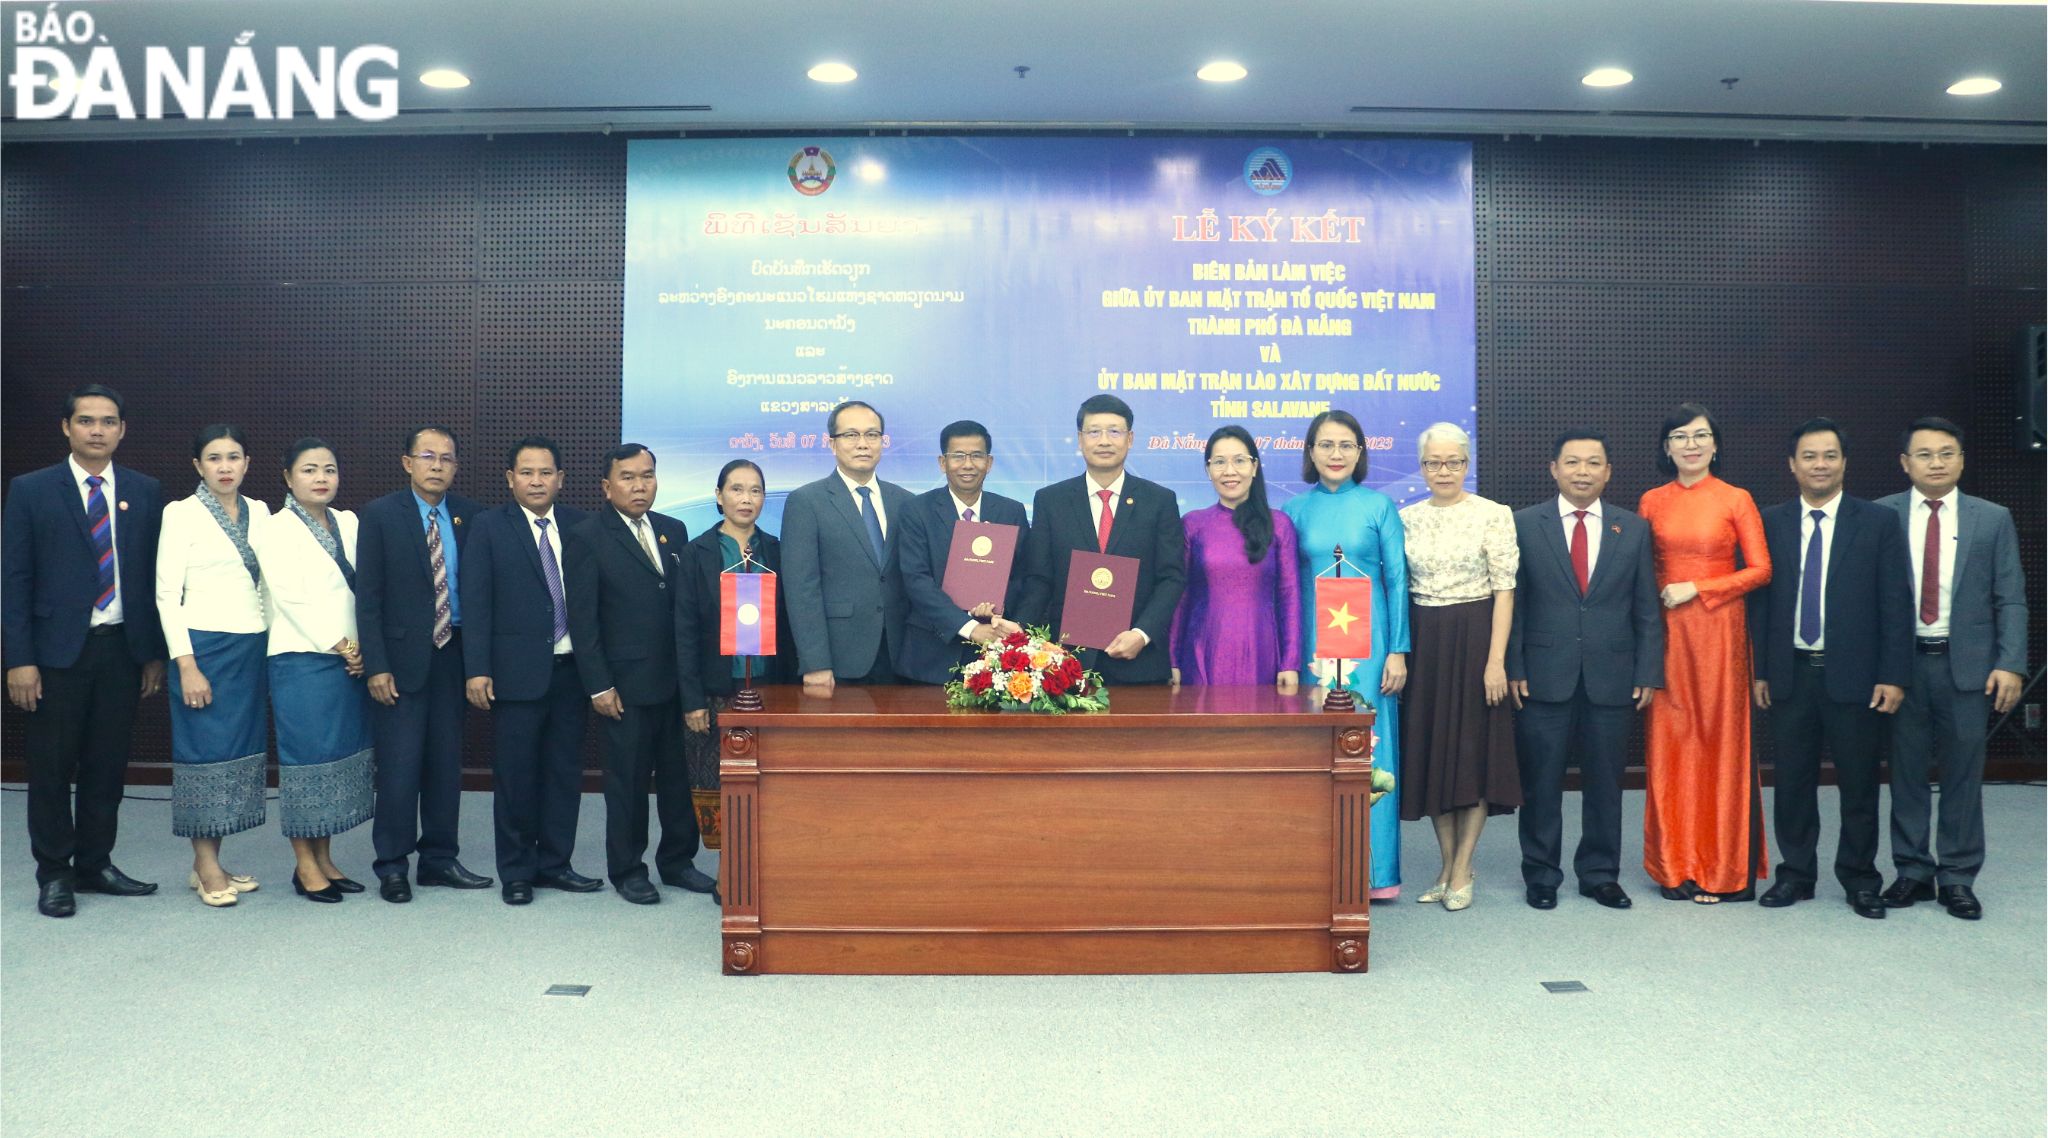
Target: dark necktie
437, 563
552, 573
1810, 582
874, 523
967, 515
1582, 559
1930, 567
102, 538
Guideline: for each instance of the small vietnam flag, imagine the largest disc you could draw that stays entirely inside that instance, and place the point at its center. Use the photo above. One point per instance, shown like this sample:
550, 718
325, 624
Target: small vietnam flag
746, 614
1343, 616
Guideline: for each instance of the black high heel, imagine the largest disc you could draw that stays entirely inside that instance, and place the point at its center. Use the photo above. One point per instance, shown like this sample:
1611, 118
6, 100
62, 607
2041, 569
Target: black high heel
344, 884
328, 896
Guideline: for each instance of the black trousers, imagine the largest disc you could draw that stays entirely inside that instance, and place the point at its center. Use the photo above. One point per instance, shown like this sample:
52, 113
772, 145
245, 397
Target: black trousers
537, 770
1548, 738
1939, 726
1803, 720
419, 768
646, 742
80, 733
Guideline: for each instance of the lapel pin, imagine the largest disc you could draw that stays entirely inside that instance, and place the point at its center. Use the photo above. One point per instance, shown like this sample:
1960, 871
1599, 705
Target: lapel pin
1130, 501
124, 503
1615, 528
664, 539
458, 521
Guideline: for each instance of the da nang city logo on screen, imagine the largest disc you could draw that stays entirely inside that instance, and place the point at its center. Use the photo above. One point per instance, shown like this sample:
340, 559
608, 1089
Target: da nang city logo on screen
65, 66
1267, 171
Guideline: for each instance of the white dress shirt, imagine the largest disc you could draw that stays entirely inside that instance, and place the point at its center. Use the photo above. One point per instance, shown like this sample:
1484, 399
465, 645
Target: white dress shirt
1828, 510
873, 484
112, 613
310, 605
1593, 528
643, 535
1918, 553
553, 532
201, 583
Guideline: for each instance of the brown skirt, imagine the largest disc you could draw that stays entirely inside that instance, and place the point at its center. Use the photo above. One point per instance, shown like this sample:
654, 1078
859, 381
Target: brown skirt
700, 757
1456, 751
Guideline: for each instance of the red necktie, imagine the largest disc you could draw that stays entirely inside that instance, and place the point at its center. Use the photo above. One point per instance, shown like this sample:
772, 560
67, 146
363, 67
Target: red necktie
1581, 561
1930, 567
1102, 527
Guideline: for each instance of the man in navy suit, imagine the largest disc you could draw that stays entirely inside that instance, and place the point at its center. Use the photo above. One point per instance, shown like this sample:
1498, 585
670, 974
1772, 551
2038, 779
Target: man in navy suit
624, 568
409, 616
938, 633
1833, 635
1585, 656
1970, 661
82, 644
1109, 510
839, 566
521, 664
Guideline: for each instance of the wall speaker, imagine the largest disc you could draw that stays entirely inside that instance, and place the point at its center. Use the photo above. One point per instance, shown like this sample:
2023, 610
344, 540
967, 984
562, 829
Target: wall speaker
2030, 420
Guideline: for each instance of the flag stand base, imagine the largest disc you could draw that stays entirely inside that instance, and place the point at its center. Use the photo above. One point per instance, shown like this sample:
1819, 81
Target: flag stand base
1339, 700
745, 699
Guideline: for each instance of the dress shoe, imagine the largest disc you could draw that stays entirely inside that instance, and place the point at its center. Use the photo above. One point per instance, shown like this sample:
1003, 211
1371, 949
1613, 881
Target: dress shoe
568, 881
1456, 899
393, 887
1608, 893
1867, 903
1543, 896
1960, 902
518, 892
1434, 894
639, 891
454, 877
55, 899
113, 883
1785, 893
217, 900
238, 884
1905, 891
691, 878
328, 896
344, 884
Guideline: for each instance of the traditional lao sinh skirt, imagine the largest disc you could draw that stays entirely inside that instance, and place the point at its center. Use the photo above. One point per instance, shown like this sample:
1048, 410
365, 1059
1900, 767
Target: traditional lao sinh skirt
218, 751
324, 755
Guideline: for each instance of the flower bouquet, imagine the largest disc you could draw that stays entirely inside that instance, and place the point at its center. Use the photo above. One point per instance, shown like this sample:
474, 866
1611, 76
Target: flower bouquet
1028, 671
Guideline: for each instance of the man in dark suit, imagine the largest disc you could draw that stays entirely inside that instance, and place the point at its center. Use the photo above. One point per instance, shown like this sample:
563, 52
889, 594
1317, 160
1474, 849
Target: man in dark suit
1833, 635
839, 540
1970, 643
1585, 654
623, 567
1109, 510
409, 616
83, 644
939, 633
521, 664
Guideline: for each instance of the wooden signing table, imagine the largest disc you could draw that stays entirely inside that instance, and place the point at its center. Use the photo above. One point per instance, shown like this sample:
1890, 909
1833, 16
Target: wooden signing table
1199, 830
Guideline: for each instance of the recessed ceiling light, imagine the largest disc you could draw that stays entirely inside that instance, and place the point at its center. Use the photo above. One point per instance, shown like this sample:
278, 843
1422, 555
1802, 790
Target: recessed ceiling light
833, 73
1607, 77
446, 78
1974, 85
1222, 71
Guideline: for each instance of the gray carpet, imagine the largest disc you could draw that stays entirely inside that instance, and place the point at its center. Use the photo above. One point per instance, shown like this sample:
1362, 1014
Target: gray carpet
158, 1016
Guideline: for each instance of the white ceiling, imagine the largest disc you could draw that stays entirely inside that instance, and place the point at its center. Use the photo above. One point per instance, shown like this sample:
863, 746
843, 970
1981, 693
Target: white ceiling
1805, 68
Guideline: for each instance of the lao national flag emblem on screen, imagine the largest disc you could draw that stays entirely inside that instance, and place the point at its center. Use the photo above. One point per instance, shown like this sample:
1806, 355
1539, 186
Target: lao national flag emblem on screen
746, 614
1344, 618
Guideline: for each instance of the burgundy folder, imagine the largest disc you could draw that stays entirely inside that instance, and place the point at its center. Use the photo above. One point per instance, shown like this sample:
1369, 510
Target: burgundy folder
1100, 590
978, 564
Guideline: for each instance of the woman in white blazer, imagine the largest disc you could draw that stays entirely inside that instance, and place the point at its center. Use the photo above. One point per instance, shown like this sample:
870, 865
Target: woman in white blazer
209, 593
324, 753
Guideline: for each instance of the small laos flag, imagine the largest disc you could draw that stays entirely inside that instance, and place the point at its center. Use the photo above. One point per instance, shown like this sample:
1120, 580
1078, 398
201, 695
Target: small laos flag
1343, 618
746, 614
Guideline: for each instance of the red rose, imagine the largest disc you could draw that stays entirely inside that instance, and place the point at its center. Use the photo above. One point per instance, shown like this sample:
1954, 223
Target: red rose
1014, 660
1054, 683
1015, 640
980, 682
1072, 670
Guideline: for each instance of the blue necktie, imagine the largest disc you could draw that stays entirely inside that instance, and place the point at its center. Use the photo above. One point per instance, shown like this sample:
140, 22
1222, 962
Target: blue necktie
102, 525
874, 523
552, 571
1809, 584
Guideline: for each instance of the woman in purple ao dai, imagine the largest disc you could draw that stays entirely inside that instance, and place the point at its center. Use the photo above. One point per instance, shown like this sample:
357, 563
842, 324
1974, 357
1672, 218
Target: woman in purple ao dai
1239, 619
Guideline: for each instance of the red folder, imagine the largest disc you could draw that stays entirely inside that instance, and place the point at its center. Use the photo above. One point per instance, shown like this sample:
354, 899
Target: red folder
978, 564
1101, 588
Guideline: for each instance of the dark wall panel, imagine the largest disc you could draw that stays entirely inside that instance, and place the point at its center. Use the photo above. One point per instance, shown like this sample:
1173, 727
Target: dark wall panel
352, 288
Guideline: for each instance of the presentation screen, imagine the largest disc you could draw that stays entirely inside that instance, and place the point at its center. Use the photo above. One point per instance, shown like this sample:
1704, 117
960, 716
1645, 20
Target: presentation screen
1205, 281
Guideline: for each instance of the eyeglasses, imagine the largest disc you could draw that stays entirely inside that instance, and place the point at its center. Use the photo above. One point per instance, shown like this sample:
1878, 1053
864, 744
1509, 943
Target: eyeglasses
859, 436
1680, 438
959, 456
1931, 455
1328, 446
431, 459
1440, 466
1233, 462
1096, 434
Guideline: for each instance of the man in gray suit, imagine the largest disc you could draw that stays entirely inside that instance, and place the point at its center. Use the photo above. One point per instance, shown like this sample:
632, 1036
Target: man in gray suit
846, 605
1970, 632
1585, 652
